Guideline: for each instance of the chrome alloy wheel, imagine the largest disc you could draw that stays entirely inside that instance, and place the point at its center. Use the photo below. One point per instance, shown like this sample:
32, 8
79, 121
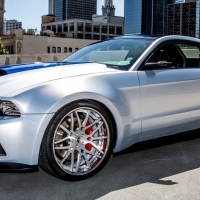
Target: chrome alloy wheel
81, 141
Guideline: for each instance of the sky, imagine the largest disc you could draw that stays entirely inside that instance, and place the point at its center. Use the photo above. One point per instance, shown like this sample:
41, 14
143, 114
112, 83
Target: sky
29, 12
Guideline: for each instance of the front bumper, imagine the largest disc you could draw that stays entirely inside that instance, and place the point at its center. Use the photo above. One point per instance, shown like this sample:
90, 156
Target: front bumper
16, 167
20, 138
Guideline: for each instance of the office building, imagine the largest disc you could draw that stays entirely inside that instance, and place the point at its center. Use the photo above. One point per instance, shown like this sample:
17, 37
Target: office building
10, 25
154, 16
132, 16
51, 7
146, 16
183, 19
87, 29
79, 9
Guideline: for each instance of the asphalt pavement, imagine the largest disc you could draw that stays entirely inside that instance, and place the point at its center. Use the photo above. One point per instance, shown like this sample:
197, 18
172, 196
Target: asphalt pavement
166, 168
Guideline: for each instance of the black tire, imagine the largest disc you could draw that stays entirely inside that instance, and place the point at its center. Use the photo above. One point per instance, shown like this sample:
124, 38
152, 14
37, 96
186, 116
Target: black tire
49, 156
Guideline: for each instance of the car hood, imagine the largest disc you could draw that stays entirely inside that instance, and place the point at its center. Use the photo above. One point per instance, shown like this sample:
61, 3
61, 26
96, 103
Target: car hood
12, 80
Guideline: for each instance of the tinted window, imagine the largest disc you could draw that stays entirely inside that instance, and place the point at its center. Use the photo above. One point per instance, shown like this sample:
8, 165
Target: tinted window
175, 56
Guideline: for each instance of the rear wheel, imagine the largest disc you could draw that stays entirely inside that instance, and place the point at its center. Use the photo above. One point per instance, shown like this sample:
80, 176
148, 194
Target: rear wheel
78, 142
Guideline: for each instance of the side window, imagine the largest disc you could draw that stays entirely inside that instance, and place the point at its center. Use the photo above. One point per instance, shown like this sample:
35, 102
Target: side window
174, 56
190, 51
192, 54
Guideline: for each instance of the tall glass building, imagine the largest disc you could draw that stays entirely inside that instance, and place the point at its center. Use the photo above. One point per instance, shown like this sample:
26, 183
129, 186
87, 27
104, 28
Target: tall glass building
154, 16
51, 7
184, 19
71, 9
132, 16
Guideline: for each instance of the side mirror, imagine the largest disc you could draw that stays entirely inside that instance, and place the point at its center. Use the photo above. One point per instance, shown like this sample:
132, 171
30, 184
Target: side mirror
160, 63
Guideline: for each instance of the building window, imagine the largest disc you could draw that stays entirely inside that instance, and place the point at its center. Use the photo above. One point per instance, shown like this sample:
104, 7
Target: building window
119, 30
70, 50
48, 49
59, 28
80, 35
80, 26
58, 50
11, 50
96, 28
65, 49
96, 37
76, 49
54, 28
88, 36
111, 30
103, 37
71, 26
88, 27
53, 49
65, 28
104, 29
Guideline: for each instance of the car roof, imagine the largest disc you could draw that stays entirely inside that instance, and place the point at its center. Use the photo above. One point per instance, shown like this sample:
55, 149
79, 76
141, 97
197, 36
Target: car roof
137, 36
153, 37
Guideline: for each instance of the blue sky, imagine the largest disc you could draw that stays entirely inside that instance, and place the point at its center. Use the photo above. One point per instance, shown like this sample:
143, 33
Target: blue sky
29, 12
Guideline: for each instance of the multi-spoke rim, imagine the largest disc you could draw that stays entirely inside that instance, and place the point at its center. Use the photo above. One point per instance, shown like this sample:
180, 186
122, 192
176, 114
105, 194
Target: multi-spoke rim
81, 141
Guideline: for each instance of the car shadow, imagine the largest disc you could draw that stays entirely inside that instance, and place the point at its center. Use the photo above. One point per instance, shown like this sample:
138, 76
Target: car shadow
148, 161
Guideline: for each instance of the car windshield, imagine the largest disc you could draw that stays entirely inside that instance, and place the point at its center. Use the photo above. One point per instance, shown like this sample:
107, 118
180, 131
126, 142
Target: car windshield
115, 53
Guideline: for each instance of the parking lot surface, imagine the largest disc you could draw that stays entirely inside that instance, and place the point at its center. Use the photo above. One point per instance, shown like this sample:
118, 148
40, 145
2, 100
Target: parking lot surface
165, 168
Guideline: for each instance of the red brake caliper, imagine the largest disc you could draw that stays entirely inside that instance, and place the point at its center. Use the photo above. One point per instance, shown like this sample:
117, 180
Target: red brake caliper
89, 146
88, 131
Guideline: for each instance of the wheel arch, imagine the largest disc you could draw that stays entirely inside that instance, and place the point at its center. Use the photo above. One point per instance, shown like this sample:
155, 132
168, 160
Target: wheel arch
108, 105
112, 119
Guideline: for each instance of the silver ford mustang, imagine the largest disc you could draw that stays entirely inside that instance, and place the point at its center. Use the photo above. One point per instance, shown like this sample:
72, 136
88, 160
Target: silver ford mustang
68, 117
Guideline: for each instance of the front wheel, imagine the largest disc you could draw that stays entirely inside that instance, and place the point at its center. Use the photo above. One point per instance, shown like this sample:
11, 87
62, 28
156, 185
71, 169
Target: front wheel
78, 141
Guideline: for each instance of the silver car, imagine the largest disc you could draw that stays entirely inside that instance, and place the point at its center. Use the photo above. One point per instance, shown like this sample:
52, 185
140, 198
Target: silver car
68, 117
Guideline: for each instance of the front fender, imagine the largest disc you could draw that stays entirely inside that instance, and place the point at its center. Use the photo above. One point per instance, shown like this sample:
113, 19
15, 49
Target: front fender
119, 92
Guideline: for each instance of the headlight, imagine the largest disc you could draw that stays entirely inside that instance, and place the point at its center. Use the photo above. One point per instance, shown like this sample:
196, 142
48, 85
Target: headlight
8, 108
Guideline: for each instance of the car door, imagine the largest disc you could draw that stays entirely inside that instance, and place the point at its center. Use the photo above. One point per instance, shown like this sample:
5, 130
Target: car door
170, 90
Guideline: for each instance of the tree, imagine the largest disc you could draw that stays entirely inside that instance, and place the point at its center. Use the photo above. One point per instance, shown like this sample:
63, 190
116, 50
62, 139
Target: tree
3, 50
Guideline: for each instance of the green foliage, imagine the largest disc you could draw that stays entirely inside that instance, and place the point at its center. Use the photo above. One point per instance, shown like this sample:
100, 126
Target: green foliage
3, 50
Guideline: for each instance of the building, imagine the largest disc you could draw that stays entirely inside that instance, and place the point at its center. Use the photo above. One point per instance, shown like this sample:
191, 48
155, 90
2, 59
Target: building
10, 25
154, 16
17, 43
48, 18
51, 7
100, 27
108, 9
2, 11
132, 16
71, 9
87, 29
160, 16
183, 19
146, 16
108, 19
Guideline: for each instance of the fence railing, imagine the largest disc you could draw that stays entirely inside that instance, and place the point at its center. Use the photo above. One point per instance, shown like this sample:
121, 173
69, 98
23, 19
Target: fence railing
17, 59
